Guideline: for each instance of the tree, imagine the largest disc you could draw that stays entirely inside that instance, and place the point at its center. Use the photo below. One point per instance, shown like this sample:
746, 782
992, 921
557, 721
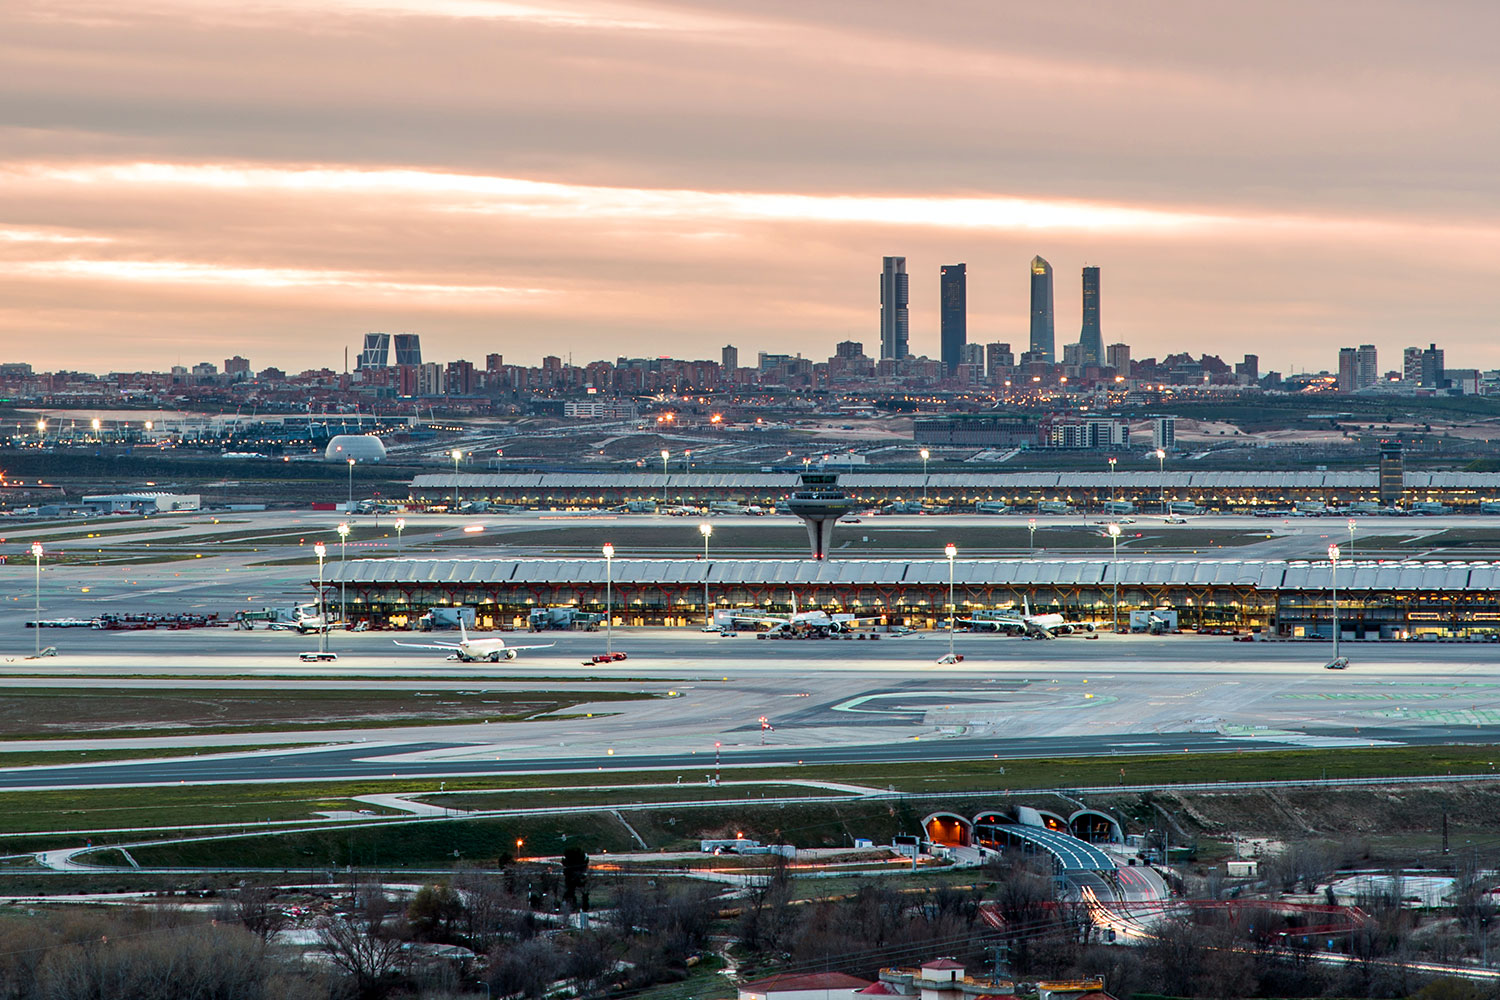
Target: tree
575, 867
434, 913
364, 947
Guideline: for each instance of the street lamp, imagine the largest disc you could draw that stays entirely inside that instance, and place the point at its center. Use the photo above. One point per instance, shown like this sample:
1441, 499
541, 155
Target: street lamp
457, 455
343, 537
609, 618
706, 530
351, 486
1114, 544
1161, 471
400, 527
95, 425
321, 550
1333, 586
36, 623
665, 454
925, 456
1031, 527
1351, 539
1112, 494
950, 551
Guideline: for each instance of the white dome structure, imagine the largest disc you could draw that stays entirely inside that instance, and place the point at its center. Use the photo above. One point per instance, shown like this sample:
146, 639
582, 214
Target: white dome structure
363, 448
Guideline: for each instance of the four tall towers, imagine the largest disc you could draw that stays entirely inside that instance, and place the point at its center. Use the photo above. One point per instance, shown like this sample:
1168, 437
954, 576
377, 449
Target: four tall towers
953, 306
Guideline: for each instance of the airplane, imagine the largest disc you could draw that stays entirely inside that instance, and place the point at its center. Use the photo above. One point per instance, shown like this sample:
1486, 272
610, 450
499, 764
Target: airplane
304, 622
468, 650
804, 622
1046, 626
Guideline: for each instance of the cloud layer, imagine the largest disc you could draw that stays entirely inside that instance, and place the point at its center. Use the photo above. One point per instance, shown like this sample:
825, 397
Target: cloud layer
187, 180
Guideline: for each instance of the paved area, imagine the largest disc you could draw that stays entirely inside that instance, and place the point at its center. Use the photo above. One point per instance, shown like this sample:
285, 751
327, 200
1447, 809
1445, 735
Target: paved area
830, 700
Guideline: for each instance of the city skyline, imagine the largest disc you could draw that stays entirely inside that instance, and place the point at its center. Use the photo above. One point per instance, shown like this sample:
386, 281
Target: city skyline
606, 173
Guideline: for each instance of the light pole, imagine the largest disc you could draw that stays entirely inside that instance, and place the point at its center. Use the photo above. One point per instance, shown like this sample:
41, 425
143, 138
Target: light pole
1351, 539
1114, 544
36, 623
609, 617
1031, 527
1333, 586
321, 550
95, 425
665, 454
925, 456
457, 455
950, 551
400, 527
351, 486
343, 537
1161, 472
1112, 494
706, 530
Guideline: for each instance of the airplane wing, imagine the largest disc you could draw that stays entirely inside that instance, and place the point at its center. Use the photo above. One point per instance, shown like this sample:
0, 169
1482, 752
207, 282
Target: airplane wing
449, 646
539, 645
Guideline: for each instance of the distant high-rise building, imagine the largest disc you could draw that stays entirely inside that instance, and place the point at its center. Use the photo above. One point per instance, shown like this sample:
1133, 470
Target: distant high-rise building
408, 349
1043, 338
973, 355
377, 351
1091, 339
237, 367
1164, 433
1432, 367
1117, 356
1366, 367
1348, 369
894, 296
729, 357
1411, 365
849, 349
1249, 369
998, 358
494, 362
954, 299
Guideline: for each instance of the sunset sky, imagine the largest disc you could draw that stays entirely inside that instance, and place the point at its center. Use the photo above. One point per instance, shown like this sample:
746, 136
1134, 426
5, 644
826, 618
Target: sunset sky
188, 179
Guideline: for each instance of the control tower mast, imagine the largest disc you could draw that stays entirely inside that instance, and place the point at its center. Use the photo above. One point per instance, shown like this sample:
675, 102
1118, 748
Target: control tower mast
820, 503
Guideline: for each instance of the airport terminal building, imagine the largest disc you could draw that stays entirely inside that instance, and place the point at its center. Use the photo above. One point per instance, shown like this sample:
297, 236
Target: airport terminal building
1289, 599
1219, 491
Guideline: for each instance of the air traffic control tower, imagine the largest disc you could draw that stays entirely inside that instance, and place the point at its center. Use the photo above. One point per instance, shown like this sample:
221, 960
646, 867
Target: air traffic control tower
820, 503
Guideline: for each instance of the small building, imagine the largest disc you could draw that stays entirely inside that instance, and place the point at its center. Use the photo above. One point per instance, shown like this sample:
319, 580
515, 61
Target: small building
804, 986
142, 503
939, 979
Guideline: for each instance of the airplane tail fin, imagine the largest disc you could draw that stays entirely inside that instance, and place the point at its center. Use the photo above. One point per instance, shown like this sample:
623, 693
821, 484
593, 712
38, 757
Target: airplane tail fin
463, 633
1026, 606
794, 604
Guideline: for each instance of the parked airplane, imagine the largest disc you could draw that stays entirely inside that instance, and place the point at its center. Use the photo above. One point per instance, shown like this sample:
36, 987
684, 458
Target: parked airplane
798, 622
468, 650
1045, 626
305, 621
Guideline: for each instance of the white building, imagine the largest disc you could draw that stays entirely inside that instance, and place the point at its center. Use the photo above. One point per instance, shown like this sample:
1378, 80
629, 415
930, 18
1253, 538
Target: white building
1164, 433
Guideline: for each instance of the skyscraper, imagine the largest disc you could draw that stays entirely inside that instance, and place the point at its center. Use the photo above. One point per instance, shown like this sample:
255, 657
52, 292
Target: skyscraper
954, 299
1091, 339
1348, 369
1042, 333
1117, 356
1432, 367
1366, 366
408, 349
893, 300
376, 352
729, 357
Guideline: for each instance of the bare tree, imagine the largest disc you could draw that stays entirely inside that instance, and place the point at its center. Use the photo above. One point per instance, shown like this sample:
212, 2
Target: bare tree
363, 947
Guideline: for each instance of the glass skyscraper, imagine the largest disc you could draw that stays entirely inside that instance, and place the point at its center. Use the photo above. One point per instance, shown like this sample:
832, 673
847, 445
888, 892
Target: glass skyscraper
1043, 336
893, 315
1090, 339
953, 296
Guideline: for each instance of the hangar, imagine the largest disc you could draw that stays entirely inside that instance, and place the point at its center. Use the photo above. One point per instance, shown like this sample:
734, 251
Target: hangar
1291, 599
